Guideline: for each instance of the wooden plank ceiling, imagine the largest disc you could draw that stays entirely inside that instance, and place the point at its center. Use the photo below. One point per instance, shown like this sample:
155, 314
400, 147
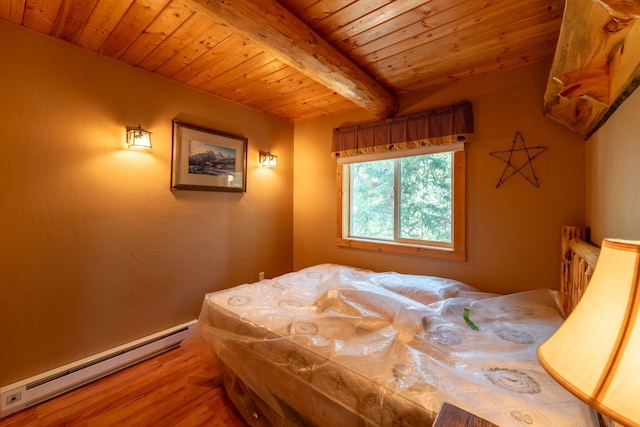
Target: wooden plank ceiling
301, 59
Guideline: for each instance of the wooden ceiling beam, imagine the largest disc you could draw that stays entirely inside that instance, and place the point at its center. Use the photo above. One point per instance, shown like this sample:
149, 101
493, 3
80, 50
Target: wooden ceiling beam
280, 33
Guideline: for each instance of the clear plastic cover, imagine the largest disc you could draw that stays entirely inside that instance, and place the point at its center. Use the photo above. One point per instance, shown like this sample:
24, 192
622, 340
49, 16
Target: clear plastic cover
334, 345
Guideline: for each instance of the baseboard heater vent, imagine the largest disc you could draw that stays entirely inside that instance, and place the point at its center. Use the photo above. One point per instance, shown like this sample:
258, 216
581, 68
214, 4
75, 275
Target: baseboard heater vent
55, 382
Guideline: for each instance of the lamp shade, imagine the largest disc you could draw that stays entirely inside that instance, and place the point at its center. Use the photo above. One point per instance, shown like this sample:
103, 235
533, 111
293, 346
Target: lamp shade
595, 354
268, 160
138, 138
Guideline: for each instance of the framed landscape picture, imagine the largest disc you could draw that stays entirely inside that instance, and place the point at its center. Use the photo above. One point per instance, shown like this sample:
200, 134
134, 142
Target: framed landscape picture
207, 160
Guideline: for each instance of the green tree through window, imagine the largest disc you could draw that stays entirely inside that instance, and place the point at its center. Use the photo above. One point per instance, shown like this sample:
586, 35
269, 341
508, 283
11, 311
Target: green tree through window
372, 204
413, 201
425, 197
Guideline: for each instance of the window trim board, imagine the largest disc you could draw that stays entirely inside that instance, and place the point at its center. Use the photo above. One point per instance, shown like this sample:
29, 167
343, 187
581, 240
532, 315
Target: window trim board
458, 253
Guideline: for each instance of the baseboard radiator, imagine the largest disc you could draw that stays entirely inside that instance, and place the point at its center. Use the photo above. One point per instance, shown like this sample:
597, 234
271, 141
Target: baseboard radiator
39, 388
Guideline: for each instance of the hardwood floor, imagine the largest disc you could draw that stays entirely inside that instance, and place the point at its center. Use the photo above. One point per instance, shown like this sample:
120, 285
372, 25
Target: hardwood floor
176, 388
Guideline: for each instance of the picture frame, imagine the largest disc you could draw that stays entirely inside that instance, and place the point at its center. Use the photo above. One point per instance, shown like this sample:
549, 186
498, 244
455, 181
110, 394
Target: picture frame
204, 159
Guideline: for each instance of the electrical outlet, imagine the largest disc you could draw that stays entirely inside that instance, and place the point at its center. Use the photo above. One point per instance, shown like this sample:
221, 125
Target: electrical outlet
261, 275
13, 398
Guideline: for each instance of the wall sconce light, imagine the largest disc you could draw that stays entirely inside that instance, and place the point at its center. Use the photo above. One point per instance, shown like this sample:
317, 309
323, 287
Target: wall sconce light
138, 138
268, 160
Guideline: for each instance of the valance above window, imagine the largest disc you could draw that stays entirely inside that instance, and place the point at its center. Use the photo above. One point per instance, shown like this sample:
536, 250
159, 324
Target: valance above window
440, 126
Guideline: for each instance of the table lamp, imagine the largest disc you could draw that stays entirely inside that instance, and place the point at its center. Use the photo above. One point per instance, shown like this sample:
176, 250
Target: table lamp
595, 354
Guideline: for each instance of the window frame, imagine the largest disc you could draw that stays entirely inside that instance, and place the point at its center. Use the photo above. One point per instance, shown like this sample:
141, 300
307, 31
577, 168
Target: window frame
454, 252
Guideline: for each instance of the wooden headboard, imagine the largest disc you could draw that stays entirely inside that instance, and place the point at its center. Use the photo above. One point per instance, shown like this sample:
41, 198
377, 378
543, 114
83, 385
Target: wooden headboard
579, 258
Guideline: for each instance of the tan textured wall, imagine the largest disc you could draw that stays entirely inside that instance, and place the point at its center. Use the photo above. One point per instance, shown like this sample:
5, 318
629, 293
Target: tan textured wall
613, 175
512, 232
95, 250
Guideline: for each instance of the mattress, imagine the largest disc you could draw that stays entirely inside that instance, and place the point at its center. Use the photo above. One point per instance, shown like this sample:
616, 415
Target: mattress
337, 345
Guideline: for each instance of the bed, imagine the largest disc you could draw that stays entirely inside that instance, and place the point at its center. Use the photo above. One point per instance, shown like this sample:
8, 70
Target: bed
338, 345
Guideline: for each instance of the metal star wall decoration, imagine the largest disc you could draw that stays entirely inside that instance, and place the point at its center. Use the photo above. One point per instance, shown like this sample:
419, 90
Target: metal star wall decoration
519, 160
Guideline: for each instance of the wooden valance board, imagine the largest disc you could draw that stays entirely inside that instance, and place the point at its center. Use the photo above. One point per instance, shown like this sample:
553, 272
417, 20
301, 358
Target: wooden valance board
445, 125
596, 65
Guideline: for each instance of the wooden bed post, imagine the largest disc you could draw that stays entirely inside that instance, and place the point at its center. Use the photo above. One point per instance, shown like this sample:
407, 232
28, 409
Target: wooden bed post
569, 232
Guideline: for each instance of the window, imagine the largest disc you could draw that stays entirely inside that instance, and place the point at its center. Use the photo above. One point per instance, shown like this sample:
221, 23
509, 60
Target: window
408, 202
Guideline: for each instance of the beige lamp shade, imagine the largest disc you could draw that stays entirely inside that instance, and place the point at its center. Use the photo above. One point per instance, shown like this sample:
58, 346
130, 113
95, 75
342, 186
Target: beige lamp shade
595, 354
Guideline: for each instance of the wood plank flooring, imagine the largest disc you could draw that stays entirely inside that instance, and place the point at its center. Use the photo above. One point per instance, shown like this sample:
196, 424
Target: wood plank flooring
176, 388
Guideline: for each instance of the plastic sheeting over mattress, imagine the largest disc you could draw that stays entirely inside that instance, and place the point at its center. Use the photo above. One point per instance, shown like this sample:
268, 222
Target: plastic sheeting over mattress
334, 345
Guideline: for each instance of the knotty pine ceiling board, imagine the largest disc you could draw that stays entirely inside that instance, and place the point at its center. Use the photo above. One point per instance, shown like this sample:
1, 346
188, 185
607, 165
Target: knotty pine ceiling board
405, 46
